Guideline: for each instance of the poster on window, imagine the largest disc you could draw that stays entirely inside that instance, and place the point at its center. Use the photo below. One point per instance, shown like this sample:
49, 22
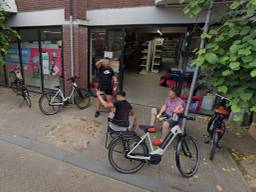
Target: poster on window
46, 64
52, 61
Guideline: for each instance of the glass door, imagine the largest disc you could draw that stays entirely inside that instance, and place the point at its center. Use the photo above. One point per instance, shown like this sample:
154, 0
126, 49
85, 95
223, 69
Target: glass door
31, 59
106, 40
51, 46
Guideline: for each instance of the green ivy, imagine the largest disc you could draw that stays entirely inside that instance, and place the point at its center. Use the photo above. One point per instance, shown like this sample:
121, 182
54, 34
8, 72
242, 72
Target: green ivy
5, 31
229, 56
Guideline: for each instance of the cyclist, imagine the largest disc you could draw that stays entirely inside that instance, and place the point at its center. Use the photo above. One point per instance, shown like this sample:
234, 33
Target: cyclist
173, 105
106, 76
122, 114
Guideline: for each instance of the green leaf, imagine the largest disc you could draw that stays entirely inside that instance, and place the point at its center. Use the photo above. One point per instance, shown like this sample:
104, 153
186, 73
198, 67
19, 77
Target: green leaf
211, 58
247, 59
198, 61
244, 51
234, 48
234, 65
253, 73
227, 73
234, 5
223, 89
252, 64
206, 36
201, 51
224, 59
253, 109
246, 96
235, 108
245, 30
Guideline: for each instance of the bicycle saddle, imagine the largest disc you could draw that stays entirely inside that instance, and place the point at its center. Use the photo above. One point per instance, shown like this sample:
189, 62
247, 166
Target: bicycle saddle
73, 79
58, 87
147, 128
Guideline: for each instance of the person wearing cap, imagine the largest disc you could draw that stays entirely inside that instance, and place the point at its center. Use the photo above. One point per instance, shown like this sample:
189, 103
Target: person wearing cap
172, 107
123, 115
106, 76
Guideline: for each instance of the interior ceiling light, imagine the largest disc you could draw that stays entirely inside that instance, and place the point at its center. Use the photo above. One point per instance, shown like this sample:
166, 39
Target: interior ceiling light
158, 31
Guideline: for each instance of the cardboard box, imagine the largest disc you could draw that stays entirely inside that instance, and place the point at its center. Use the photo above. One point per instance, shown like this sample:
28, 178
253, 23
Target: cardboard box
252, 130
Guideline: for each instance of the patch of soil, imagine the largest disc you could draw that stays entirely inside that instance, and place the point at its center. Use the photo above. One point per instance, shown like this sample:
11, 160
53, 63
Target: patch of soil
74, 133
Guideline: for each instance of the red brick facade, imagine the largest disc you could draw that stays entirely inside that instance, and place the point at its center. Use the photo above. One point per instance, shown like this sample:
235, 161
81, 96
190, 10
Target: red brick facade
80, 55
99, 4
79, 6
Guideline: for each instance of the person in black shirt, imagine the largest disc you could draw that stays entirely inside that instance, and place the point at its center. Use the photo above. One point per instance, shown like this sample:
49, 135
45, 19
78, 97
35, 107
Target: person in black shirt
123, 112
106, 76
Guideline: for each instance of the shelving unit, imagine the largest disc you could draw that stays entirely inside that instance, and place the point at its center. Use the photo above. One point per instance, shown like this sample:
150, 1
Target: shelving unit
169, 48
146, 57
156, 54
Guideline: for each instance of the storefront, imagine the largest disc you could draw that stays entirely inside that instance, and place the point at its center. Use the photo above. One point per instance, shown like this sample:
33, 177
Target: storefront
141, 56
38, 53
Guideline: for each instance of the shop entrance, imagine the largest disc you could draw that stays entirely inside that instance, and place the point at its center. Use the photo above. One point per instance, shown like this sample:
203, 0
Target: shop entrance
141, 56
149, 54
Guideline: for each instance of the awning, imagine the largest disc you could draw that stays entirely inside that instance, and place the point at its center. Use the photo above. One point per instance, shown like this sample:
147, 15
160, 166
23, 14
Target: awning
8, 6
173, 3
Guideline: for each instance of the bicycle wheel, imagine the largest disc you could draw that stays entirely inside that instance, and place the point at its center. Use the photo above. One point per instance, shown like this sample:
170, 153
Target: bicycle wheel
82, 98
45, 106
187, 156
118, 149
27, 98
214, 142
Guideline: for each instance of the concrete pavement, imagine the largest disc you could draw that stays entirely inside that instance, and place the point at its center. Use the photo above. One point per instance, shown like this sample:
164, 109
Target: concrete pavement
29, 128
22, 170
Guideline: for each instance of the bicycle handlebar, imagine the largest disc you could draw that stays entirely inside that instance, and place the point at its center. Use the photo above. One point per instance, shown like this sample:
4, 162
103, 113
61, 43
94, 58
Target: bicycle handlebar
218, 95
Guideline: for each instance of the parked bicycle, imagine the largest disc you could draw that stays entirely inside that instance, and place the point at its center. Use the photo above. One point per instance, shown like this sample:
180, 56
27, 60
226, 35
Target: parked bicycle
18, 86
216, 126
50, 103
128, 153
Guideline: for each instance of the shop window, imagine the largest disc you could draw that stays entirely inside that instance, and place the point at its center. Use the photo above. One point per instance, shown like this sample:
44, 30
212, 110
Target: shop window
30, 58
51, 43
12, 60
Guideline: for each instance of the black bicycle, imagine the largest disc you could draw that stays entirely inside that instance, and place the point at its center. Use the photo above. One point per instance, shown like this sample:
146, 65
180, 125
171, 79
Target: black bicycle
19, 88
50, 102
216, 125
128, 153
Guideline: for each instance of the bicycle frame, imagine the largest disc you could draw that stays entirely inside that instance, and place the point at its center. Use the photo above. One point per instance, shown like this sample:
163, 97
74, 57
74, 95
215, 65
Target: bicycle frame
176, 130
64, 99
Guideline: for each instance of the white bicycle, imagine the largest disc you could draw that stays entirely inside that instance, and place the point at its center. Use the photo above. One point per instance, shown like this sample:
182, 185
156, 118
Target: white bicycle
50, 103
128, 153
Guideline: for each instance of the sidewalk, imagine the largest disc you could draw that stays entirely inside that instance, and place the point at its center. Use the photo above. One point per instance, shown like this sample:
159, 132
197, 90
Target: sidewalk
57, 135
25, 171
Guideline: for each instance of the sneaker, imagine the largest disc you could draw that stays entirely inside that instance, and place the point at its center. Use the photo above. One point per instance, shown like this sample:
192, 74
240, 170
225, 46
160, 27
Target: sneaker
97, 114
156, 142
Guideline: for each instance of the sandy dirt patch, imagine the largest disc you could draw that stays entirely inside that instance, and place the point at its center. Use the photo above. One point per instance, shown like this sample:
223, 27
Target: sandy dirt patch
74, 133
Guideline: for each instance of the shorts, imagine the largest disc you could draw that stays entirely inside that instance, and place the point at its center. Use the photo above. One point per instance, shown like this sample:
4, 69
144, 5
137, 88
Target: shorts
119, 128
107, 91
169, 118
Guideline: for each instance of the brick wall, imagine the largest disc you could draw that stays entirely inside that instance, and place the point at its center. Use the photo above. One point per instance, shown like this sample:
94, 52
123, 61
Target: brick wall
98, 4
80, 55
79, 6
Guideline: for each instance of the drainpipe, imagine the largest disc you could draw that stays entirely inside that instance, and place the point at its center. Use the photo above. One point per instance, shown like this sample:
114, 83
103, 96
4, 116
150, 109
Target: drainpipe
205, 30
71, 37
